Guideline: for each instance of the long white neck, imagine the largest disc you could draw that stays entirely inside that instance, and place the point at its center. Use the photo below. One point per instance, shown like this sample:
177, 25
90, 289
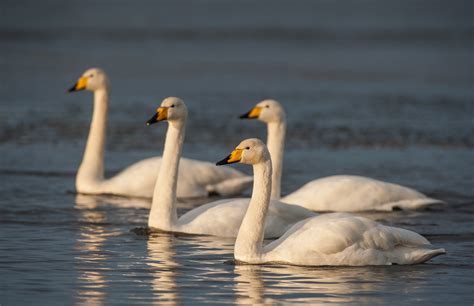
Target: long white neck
276, 147
92, 167
248, 246
163, 214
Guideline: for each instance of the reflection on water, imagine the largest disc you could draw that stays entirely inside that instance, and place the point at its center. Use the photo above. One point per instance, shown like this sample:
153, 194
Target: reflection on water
163, 268
89, 202
249, 286
108, 264
322, 284
91, 260
194, 260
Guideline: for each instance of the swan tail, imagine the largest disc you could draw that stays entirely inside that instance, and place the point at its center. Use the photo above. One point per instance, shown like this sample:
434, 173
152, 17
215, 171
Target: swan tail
423, 255
230, 187
411, 204
409, 247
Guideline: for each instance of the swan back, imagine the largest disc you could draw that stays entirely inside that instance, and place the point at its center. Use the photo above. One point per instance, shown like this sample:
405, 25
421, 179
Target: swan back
360, 193
344, 239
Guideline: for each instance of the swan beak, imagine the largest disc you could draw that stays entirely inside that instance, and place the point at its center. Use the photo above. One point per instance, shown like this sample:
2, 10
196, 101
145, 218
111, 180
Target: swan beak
252, 114
80, 84
161, 114
234, 157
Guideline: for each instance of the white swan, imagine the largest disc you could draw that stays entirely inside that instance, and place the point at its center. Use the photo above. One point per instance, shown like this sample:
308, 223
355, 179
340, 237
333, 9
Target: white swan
196, 178
333, 193
329, 239
219, 218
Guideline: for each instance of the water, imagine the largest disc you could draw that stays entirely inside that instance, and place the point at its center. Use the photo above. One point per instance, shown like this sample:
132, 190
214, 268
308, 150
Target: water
380, 89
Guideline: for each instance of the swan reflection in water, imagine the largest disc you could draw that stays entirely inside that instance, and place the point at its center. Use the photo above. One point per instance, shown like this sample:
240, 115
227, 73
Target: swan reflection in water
94, 229
172, 255
249, 285
90, 259
162, 267
258, 285
190, 259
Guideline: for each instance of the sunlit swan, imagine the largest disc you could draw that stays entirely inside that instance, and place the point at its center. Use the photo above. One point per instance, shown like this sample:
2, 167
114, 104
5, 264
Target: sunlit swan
196, 178
219, 218
333, 193
330, 239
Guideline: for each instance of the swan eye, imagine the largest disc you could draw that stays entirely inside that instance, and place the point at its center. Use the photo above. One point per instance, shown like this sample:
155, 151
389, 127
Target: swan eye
91, 76
247, 148
267, 106
172, 105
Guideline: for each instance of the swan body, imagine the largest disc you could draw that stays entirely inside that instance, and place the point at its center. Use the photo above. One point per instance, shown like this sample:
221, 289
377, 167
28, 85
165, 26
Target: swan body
329, 239
223, 218
219, 218
357, 193
342, 239
197, 178
342, 193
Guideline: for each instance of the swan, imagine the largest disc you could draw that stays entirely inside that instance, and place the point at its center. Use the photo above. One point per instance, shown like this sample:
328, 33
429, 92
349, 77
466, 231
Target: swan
218, 218
342, 193
328, 239
196, 178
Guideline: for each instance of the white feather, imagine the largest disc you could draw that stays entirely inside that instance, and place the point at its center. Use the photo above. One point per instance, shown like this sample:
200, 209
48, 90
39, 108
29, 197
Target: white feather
220, 218
334, 193
196, 178
329, 239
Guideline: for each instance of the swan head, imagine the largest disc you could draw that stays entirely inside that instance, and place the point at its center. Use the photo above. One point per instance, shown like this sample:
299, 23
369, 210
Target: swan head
92, 79
268, 111
172, 109
250, 151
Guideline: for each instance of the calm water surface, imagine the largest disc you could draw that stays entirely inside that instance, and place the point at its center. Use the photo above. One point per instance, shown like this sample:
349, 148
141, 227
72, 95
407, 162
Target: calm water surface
381, 90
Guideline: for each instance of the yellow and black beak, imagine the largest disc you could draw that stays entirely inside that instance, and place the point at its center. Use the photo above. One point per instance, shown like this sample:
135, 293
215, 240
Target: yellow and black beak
80, 84
161, 114
252, 114
234, 157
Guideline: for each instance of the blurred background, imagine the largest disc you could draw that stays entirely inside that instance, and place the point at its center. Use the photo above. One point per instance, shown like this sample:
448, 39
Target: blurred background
382, 89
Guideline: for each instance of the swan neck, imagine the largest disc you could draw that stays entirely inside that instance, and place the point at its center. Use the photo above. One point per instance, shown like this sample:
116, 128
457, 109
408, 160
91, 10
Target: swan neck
92, 166
248, 246
163, 214
276, 147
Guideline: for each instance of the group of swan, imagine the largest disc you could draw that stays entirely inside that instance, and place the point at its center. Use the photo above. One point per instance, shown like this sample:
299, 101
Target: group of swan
329, 239
305, 239
196, 178
219, 218
334, 193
